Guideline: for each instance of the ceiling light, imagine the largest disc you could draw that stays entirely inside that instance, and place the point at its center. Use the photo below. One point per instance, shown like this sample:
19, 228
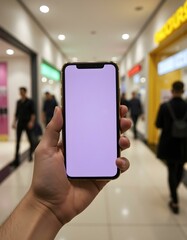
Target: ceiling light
44, 9
125, 36
142, 80
61, 37
44, 79
9, 51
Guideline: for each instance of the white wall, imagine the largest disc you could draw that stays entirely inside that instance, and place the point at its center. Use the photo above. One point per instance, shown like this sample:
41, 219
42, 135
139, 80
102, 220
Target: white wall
18, 76
18, 22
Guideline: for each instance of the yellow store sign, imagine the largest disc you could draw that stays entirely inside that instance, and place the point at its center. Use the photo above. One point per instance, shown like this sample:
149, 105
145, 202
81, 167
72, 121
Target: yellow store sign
172, 24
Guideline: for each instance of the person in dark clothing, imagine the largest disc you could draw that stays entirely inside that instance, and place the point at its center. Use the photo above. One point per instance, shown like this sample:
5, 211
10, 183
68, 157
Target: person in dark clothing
48, 107
24, 121
169, 147
135, 108
123, 100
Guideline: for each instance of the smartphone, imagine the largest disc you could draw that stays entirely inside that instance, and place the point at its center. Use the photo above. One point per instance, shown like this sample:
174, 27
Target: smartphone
91, 119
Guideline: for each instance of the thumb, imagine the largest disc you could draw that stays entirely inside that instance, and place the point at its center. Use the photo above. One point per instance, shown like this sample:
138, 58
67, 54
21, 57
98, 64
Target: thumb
53, 129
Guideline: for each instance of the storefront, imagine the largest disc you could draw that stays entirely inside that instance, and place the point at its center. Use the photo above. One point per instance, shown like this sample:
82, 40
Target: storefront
137, 83
167, 63
15, 72
50, 80
3, 101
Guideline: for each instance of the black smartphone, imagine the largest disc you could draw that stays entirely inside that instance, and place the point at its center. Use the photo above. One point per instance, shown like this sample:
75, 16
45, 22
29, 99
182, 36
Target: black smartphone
91, 119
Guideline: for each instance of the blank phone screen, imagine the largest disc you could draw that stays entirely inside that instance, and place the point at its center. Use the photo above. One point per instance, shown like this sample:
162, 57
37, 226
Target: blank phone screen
91, 121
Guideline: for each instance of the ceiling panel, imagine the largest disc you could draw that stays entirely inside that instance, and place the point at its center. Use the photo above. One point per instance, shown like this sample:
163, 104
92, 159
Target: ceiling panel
93, 29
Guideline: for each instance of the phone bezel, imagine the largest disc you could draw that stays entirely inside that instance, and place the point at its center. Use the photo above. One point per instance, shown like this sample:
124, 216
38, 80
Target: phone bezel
91, 65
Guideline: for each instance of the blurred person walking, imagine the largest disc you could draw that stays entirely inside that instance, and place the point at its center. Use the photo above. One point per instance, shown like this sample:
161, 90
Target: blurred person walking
170, 147
48, 107
135, 108
123, 100
24, 120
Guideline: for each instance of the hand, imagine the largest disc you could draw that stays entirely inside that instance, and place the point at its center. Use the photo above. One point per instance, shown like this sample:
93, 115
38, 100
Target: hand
50, 186
14, 125
142, 117
30, 124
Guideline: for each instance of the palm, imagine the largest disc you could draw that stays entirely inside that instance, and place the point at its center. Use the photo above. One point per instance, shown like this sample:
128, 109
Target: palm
52, 186
50, 183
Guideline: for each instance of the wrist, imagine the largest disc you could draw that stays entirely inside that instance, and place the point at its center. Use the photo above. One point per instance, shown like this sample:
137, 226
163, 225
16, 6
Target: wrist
31, 122
43, 219
30, 220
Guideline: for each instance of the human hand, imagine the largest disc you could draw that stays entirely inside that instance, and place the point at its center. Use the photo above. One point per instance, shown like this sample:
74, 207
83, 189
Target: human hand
142, 117
14, 125
50, 186
30, 124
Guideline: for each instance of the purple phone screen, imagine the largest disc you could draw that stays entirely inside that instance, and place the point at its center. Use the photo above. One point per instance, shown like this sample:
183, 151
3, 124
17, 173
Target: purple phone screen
91, 121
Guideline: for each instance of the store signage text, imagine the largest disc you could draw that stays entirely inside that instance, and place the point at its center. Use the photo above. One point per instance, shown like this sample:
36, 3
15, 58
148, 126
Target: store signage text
50, 72
172, 24
136, 69
173, 63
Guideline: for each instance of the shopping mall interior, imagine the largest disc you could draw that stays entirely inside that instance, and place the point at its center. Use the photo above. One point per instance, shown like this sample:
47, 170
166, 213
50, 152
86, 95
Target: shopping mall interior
147, 41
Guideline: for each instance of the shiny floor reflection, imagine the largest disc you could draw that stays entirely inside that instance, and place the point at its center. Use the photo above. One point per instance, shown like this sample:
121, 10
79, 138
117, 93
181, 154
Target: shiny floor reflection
133, 207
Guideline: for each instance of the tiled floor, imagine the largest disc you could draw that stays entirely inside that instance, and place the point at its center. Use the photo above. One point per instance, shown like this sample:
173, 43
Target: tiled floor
133, 207
8, 150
